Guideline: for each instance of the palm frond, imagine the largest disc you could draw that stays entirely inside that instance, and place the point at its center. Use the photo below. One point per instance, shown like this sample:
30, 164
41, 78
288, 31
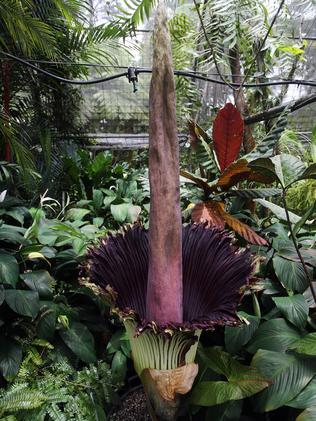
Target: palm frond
135, 12
19, 143
26, 32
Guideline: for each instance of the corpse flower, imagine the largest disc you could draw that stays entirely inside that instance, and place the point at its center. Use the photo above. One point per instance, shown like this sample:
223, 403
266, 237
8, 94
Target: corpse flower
170, 282
214, 272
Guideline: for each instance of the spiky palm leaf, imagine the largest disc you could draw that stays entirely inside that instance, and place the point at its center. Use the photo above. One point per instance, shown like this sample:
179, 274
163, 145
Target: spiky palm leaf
135, 12
25, 31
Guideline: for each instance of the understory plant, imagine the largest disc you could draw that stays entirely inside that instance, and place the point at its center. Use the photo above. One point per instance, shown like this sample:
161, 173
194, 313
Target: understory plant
42, 305
58, 391
109, 192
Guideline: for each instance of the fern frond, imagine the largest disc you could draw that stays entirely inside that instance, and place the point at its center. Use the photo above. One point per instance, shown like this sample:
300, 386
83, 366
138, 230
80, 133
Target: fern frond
229, 23
20, 397
55, 413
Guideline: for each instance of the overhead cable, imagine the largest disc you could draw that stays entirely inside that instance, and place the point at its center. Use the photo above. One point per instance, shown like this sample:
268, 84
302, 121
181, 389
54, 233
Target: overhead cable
142, 70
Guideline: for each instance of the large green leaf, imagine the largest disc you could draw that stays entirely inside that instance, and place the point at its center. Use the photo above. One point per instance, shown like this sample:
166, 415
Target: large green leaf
265, 167
291, 274
40, 281
46, 235
76, 214
133, 213
283, 168
306, 398
17, 213
255, 193
274, 335
98, 199
242, 381
118, 367
9, 269
119, 212
10, 357
288, 168
108, 200
310, 172
236, 337
288, 374
46, 324
25, 303
294, 308
12, 234
79, 339
308, 415
278, 211
289, 253
306, 345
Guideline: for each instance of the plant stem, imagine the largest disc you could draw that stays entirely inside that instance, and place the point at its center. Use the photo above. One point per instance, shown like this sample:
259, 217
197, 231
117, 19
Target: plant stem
294, 239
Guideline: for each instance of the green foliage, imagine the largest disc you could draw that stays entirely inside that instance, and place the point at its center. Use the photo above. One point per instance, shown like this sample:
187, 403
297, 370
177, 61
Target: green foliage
39, 259
59, 392
270, 143
294, 308
46, 314
80, 341
236, 337
302, 195
134, 12
277, 322
119, 196
242, 381
181, 28
289, 375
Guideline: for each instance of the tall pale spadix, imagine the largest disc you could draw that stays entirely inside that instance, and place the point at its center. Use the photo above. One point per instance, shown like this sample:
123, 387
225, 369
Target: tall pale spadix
165, 290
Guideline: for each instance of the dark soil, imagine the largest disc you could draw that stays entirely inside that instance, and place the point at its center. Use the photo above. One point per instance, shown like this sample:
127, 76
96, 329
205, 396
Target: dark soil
133, 407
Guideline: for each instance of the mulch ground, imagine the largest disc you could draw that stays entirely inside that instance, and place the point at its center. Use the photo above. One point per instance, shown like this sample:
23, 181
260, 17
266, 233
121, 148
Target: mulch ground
132, 408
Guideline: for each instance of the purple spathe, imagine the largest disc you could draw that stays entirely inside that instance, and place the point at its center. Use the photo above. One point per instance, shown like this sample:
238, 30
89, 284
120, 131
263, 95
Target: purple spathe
213, 273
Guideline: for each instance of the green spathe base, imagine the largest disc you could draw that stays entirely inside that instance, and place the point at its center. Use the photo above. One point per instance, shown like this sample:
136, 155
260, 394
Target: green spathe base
164, 361
161, 350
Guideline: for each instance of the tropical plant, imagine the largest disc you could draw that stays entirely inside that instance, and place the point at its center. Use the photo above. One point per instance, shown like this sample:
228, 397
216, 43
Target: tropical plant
162, 289
55, 390
36, 107
119, 196
40, 298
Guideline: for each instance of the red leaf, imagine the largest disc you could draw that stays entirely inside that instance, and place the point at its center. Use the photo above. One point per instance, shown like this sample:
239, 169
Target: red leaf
214, 214
243, 230
210, 212
228, 131
233, 174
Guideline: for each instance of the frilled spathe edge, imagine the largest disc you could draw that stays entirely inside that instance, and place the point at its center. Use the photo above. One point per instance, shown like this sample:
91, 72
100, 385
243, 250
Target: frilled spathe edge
214, 273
